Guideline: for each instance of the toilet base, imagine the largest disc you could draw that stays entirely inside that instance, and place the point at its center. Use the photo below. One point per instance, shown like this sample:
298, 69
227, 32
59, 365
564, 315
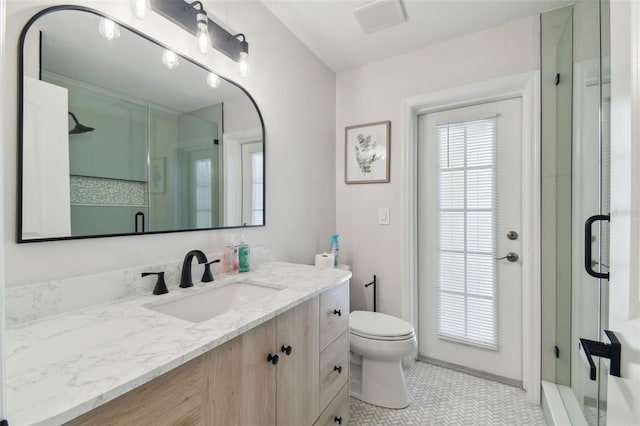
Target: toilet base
382, 384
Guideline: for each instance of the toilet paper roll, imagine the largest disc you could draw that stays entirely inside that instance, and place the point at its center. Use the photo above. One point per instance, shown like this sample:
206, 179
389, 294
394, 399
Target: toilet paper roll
324, 260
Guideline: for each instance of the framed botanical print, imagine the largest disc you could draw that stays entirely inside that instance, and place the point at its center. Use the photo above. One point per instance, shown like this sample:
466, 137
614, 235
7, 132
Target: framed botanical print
366, 152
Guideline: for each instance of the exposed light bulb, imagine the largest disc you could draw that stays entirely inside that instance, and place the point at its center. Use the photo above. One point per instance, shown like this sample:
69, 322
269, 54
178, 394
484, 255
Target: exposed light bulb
213, 80
243, 64
141, 9
170, 59
109, 29
203, 33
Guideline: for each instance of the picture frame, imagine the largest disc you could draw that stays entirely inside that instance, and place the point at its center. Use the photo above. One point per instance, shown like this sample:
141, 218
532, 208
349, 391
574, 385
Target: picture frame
367, 153
157, 175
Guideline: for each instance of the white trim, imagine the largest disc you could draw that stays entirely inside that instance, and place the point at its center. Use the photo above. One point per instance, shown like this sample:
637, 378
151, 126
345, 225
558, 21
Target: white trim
232, 172
552, 406
527, 87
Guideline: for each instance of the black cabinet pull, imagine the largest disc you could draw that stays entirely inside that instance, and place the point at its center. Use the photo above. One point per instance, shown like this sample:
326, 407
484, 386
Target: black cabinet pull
587, 246
286, 349
337, 312
337, 368
273, 359
338, 420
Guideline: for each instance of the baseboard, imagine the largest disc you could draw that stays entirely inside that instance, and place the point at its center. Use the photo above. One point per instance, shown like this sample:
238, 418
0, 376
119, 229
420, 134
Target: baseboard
472, 372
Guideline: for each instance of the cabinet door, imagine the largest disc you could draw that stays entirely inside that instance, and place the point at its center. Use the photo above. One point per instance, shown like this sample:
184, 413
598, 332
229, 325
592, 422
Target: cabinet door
241, 383
298, 372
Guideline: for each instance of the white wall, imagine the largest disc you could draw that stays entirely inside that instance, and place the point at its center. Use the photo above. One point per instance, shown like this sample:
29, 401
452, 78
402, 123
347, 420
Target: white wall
300, 195
375, 92
624, 289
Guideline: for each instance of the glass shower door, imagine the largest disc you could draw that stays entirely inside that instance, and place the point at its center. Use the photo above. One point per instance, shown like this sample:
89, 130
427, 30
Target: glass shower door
575, 68
591, 187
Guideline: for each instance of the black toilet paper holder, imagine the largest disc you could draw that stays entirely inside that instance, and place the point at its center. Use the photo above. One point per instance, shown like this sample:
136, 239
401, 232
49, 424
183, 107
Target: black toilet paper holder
374, 283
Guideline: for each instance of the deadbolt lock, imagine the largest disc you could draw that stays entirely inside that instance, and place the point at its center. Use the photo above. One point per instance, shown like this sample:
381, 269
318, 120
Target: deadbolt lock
512, 235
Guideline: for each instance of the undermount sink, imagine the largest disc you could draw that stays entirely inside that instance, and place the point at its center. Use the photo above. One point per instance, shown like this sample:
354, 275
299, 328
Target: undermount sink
210, 303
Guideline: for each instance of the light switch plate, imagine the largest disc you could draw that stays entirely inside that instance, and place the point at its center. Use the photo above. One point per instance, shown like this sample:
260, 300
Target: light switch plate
383, 216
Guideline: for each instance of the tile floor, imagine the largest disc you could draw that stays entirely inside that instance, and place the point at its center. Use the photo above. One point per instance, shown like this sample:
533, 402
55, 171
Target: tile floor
440, 396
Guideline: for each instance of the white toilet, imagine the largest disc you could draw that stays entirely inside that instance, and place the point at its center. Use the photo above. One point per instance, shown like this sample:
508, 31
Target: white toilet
378, 344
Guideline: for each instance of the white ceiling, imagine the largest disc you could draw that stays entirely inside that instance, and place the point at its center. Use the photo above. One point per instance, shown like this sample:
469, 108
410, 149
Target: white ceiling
330, 29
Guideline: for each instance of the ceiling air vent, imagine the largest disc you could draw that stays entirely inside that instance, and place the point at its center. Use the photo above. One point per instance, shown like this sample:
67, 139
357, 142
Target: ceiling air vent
380, 14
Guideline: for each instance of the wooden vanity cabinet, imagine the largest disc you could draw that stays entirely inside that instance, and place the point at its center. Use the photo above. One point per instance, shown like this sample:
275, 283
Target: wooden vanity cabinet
240, 383
298, 373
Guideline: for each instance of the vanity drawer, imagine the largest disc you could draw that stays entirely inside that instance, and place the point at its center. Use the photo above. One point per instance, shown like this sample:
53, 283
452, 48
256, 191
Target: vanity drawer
334, 314
337, 413
334, 368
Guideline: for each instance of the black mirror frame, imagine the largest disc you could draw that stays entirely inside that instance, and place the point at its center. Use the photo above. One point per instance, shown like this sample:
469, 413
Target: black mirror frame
20, 133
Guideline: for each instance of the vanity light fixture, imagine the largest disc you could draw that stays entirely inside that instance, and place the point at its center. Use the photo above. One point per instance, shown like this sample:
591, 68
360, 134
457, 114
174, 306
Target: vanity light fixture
213, 80
203, 33
141, 9
108, 29
170, 59
243, 63
193, 18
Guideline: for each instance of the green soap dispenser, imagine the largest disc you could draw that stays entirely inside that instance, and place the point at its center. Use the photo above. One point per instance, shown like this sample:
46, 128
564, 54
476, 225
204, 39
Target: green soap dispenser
244, 258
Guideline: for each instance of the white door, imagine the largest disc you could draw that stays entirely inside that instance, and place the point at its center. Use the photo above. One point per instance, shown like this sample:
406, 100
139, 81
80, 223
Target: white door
469, 210
201, 197
46, 204
252, 181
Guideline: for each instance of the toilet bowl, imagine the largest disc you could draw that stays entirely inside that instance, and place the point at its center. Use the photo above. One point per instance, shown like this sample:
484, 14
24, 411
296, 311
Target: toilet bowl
378, 344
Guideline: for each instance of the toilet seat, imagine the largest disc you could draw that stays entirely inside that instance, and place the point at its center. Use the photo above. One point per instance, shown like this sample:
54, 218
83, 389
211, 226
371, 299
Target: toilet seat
378, 326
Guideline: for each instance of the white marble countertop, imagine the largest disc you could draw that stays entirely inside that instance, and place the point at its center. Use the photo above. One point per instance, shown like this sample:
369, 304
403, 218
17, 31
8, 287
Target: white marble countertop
62, 366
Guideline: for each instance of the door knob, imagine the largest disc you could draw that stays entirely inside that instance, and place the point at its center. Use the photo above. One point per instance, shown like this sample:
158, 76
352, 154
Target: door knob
337, 312
511, 257
273, 359
286, 349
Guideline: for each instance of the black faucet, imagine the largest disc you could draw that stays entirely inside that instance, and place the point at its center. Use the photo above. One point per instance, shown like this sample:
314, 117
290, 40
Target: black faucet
185, 277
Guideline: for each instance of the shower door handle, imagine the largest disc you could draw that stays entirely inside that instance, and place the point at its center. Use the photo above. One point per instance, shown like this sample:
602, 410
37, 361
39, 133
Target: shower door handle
609, 349
587, 246
139, 214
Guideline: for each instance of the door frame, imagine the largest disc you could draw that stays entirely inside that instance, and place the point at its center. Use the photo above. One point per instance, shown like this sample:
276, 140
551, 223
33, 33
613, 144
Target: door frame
527, 87
232, 172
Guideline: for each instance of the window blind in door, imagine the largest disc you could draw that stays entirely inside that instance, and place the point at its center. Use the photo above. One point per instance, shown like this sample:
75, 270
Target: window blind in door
466, 210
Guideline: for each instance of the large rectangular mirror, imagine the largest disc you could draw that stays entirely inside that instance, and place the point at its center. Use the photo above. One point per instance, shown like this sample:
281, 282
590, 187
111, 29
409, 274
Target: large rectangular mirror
120, 136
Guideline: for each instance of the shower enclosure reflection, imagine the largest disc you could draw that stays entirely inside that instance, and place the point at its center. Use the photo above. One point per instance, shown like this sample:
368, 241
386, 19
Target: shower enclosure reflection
114, 142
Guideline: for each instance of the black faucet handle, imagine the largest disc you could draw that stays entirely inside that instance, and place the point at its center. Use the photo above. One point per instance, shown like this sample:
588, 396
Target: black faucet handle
161, 286
207, 276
